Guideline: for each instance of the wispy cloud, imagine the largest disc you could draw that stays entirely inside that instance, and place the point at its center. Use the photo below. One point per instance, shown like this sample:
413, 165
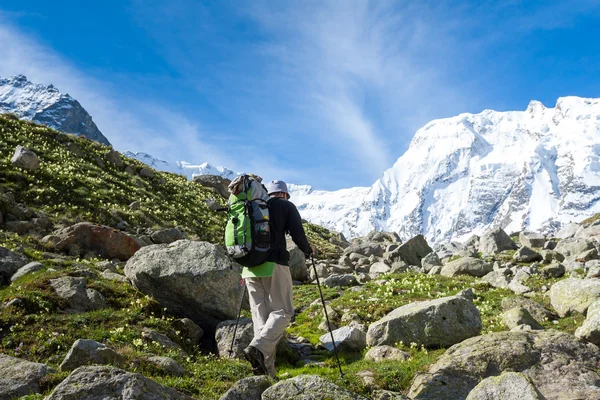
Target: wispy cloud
129, 123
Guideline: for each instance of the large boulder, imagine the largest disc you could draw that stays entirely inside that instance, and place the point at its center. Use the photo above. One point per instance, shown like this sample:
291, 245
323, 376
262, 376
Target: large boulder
244, 333
574, 294
519, 316
100, 382
568, 231
9, 264
590, 329
498, 278
571, 248
346, 339
308, 387
80, 299
495, 241
429, 261
26, 159
532, 239
413, 251
526, 255
509, 385
106, 242
85, 351
366, 249
250, 388
559, 365
20, 377
467, 266
433, 323
537, 311
297, 263
193, 279
217, 183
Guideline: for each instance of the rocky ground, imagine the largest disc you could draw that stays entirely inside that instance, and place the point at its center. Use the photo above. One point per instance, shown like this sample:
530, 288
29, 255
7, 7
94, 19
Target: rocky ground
135, 305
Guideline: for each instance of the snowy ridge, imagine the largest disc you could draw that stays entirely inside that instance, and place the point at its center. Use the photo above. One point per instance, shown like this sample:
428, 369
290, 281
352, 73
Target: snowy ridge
46, 105
532, 169
181, 167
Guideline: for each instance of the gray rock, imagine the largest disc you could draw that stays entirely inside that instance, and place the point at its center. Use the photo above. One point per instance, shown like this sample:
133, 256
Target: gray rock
112, 276
379, 268
297, 263
386, 353
217, 183
308, 387
558, 364
593, 272
429, 261
509, 385
495, 241
437, 270
590, 329
550, 245
532, 239
574, 294
519, 316
79, 298
518, 288
26, 159
147, 173
568, 231
250, 388
27, 269
447, 250
114, 157
467, 266
243, 336
9, 264
73, 148
169, 235
340, 280
571, 248
555, 270
526, 254
100, 382
388, 395
413, 251
365, 249
189, 330
587, 255
161, 339
130, 171
85, 352
346, 339
20, 377
19, 227
168, 365
537, 311
192, 279
441, 322
498, 278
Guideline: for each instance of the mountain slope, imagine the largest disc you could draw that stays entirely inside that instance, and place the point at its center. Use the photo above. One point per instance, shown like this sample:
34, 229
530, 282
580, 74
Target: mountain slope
47, 106
532, 169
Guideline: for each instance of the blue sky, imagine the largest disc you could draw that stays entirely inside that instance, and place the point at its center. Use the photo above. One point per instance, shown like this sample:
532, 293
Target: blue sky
327, 93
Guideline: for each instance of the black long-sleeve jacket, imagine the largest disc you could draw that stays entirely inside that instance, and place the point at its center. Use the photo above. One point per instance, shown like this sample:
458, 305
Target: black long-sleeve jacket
285, 219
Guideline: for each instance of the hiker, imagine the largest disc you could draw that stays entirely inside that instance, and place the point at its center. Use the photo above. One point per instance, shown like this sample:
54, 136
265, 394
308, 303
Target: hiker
270, 285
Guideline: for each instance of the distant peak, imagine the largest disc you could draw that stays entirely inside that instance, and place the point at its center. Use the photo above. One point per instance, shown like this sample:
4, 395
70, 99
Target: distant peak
535, 106
19, 78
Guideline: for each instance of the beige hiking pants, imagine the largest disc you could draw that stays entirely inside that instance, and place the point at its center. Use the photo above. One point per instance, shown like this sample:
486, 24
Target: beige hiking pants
272, 308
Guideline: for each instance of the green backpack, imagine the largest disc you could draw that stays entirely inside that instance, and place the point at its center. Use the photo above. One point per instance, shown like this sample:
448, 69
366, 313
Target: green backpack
248, 231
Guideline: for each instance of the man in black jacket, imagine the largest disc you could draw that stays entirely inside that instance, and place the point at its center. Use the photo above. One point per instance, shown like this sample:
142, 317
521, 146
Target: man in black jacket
270, 285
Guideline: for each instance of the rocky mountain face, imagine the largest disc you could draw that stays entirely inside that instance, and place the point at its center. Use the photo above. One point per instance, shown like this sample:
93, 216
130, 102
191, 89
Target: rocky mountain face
535, 169
48, 106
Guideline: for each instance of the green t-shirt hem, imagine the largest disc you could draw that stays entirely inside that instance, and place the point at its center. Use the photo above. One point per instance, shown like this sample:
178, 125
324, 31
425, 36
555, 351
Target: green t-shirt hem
261, 271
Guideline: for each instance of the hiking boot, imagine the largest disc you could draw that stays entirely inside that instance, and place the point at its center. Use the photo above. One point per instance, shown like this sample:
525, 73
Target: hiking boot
256, 359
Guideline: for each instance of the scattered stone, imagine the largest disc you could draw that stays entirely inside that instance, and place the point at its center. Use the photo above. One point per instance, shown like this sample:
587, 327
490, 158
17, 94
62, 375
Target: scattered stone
19, 227
250, 388
509, 385
297, 263
168, 365
558, 364
189, 330
101, 382
192, 279
413, 251
114, 157
73, 148
590, 330
85, 352
550, 245
130, 171
135, 205
526, 254
388, 395
346, 339
99, 162
495, 241
519, 316
532, 239
535, 309
467, 266
74, 291
379, 268
571, 248
429, 261
518, 288
123, 225
166, 236
161, 339
368, 378
217, 183
568, 231
16, 303
113, 276
20, 377
27, 269
587, 255
243, 337
9, 264
437, 270
498, 278
147, 173
574, 294
26, 159
555, 270
308, 387
340, 280
386, 353
434, 323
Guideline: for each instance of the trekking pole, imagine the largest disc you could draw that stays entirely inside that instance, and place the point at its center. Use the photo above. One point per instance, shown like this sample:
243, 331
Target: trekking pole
238, 317
327, 317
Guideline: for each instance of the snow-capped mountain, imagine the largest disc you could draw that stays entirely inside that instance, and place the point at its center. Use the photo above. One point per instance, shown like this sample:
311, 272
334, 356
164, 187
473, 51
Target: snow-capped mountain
532, 169
46, 105
181, 167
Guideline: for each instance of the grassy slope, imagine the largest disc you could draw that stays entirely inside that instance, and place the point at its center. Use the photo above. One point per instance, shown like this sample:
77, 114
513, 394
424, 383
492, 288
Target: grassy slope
83, 191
